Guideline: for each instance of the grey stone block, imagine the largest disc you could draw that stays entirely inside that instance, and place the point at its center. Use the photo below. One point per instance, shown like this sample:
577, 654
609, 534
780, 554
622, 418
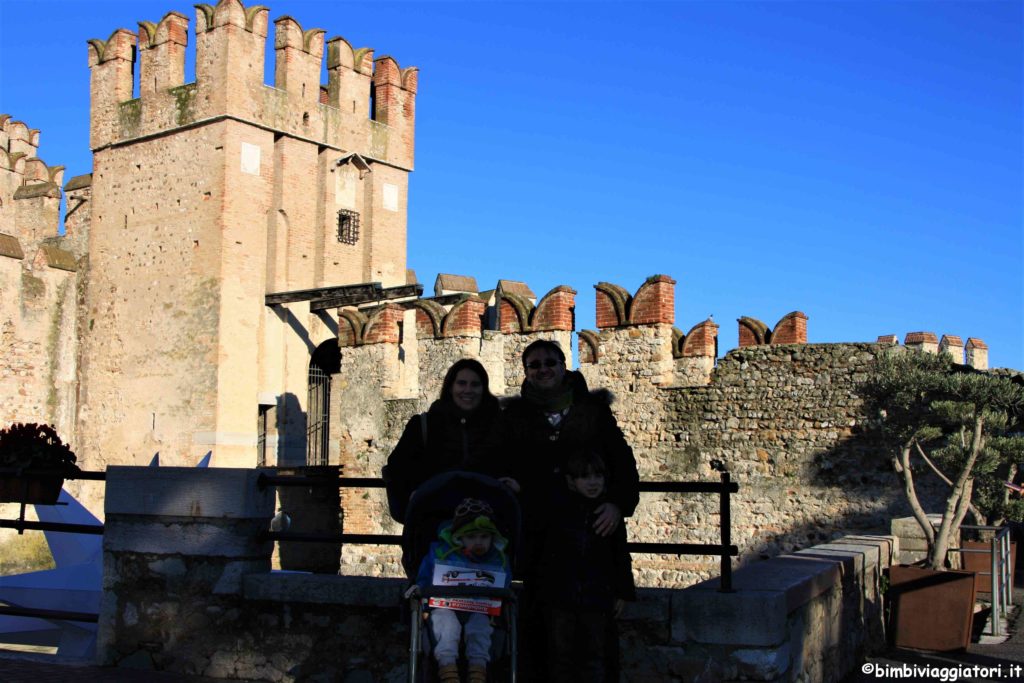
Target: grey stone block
167, 537
755, 614
187, 492
762, 664
750, 618
324, 589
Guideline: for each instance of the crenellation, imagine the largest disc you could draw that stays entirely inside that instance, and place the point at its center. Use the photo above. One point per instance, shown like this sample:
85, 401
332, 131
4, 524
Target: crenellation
556, 310
791, 329
465, 319
612, 305
112, 70
513, 313
297, 63
162, 56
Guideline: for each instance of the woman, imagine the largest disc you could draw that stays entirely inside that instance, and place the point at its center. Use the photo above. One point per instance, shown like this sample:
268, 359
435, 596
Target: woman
457, 433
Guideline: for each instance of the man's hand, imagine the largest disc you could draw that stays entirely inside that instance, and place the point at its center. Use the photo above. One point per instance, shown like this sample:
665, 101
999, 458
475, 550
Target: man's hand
608, 518
511, 483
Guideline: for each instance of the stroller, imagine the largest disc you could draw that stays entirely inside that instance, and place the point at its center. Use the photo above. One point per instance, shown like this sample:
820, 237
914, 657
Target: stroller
430, 506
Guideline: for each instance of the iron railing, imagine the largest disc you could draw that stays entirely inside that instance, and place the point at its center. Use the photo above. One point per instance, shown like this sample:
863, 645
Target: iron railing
21, 525
725, 550
999, 572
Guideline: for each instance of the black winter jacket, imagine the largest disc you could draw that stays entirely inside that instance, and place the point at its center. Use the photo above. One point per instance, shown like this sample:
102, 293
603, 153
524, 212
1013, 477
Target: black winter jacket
534, 450
455, 440
578, 568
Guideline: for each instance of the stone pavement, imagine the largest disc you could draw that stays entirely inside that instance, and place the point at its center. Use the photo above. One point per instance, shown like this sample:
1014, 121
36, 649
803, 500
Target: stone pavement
982, 662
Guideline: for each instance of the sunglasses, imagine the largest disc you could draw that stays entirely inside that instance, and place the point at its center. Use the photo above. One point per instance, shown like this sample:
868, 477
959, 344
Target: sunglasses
538, 364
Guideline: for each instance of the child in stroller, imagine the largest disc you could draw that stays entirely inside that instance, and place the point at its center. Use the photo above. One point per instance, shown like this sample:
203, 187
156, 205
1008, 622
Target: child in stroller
462, 578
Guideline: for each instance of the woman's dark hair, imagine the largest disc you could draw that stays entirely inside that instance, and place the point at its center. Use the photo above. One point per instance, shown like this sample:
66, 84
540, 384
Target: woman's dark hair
467, 364
543, 345
582, 463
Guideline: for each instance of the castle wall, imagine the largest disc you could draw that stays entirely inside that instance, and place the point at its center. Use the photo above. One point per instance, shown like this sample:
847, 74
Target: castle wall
150, 356
39, 281
786, 420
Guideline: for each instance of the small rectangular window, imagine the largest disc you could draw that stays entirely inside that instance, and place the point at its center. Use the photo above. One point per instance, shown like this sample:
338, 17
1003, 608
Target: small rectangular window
348, 226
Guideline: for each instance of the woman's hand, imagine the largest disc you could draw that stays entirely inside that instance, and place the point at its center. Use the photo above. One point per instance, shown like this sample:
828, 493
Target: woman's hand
511, 483
608, 518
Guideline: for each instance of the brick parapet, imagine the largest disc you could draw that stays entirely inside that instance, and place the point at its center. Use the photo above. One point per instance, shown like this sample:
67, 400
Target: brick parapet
791, 329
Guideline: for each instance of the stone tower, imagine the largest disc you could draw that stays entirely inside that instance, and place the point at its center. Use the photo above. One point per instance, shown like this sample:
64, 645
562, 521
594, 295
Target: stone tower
210, 195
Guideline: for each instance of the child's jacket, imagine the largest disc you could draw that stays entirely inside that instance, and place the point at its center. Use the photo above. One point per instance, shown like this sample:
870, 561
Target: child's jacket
446, 551
577, 568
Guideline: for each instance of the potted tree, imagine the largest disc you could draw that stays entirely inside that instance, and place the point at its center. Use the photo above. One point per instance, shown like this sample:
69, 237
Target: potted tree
33, 464
937, 415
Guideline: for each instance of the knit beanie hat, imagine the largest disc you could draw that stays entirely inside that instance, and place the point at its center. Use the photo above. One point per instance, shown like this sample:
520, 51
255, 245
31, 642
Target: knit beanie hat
473, 515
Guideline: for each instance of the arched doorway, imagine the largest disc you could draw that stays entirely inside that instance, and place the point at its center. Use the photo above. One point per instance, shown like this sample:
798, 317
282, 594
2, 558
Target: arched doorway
326, 361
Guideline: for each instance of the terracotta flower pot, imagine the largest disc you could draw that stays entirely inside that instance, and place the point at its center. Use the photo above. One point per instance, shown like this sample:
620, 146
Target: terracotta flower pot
982, 562
35, 490
931, 610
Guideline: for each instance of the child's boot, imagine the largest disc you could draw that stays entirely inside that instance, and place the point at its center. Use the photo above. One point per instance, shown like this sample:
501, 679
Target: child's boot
477, 673
449, 673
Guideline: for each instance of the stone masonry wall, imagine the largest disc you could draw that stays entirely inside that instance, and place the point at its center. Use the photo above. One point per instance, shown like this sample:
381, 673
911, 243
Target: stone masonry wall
40, 279
784, 418
188, 589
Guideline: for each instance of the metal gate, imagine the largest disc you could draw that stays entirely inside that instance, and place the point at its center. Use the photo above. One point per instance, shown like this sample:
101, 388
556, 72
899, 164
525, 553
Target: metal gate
318, 415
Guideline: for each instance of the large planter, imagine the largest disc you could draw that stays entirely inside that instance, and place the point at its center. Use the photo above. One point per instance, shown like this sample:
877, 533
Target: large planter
29, 489
931, 610
982, 562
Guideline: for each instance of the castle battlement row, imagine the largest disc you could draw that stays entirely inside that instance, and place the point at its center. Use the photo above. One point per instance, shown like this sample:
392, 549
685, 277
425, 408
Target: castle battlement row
367, 106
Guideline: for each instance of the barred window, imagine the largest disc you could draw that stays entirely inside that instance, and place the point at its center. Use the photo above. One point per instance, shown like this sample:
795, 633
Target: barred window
348, 226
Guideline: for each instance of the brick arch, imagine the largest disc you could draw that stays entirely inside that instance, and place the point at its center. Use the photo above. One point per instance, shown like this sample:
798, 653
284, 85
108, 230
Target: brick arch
612, 305
701, 340
429, 318
654, 302
791, 329
588, 344
382, 325
753, 332
351, 324
465, 319
555, 310
513, 313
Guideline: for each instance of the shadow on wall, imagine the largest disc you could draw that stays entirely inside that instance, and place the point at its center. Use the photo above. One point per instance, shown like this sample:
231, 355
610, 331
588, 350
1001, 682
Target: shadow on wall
313, 509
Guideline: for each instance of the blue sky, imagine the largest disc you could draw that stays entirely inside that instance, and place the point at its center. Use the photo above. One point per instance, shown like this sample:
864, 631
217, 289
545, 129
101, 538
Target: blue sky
858, 161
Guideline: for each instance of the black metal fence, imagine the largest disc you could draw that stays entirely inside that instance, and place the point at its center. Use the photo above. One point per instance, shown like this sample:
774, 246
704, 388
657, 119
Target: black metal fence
725, 549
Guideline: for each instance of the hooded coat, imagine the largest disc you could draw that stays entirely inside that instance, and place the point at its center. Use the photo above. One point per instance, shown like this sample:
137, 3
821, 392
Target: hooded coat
535, 451
443, 439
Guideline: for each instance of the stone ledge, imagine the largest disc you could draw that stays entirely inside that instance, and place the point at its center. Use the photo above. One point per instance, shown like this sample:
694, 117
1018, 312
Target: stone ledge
213, 493
324, 589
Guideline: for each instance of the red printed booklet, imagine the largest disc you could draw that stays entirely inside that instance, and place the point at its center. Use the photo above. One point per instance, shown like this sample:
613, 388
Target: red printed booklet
449, 575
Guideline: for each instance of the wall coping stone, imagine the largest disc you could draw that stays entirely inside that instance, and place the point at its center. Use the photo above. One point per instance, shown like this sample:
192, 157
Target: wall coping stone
220, 492
766, 593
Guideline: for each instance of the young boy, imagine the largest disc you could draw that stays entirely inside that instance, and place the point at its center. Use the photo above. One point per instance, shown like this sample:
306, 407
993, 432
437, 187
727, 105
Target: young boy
584, 577
468, 552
